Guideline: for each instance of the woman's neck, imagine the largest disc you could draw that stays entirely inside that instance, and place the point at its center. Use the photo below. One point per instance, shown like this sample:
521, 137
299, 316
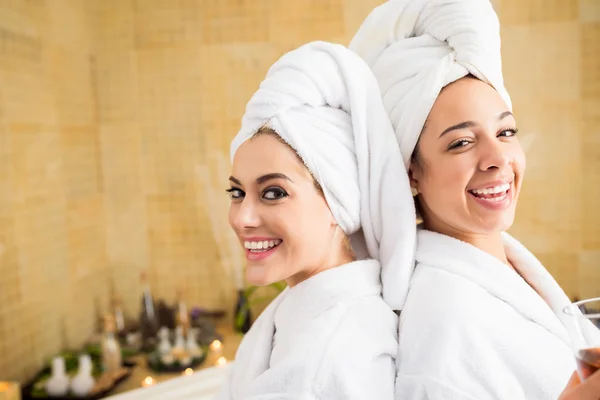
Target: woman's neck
334, 261
491, 244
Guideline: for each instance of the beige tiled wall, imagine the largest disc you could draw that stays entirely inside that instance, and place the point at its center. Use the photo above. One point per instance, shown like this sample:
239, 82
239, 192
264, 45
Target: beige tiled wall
115, 120
551, 55
53, 268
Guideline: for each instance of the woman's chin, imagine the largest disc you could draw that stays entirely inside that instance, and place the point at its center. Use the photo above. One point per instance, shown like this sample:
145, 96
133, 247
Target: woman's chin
499, 222
258, 275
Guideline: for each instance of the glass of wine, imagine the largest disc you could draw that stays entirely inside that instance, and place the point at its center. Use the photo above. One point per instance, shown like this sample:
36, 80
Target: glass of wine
585, 335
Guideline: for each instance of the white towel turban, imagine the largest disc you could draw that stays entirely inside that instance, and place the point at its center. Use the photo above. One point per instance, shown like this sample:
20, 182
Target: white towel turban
416, 47
324, 101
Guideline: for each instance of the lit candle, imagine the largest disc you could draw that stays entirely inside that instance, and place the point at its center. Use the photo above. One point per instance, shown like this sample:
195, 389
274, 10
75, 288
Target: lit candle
148, 381
216, 349
221, 361
188, 372
216, 346
10, 391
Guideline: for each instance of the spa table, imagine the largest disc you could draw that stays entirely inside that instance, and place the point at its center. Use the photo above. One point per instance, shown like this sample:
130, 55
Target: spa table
205, 380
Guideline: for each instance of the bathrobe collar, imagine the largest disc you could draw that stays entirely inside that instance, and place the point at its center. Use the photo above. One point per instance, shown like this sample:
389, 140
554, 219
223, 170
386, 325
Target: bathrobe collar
531, 291
298, 305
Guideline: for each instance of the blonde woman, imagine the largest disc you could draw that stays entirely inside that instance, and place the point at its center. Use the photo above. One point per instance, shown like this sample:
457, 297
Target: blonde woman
314, 201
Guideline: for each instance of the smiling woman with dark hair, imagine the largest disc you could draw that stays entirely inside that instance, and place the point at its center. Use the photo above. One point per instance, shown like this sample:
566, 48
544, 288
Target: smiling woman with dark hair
483, 318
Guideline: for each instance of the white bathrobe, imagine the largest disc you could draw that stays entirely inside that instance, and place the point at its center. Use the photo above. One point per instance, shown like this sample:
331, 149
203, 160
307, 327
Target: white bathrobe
473, 328
329, 337
333, 336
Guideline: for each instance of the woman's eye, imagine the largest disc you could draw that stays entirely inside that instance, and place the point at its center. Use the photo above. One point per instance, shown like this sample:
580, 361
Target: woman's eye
458, 144
274, 194
235, 193
508, 132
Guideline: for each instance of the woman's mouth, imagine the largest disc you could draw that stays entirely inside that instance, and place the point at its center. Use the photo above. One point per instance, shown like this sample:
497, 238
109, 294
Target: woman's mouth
260, 249
495, 197
496, 193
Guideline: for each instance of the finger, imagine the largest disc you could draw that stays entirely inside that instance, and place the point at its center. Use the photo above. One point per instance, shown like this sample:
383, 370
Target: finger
573, 381
589, 389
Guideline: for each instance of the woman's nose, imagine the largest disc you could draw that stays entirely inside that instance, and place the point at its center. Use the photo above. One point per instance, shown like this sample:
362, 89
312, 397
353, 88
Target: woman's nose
244, 215
494, 155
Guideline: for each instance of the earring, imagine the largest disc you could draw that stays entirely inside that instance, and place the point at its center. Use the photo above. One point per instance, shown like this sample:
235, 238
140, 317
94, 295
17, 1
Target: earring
414, 191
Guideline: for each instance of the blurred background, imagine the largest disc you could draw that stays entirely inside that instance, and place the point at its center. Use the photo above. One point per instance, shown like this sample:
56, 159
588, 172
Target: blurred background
115, 122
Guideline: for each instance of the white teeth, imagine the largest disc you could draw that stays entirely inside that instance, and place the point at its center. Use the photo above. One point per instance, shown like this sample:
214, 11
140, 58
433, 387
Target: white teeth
492, 190
494, 199
262, 245
498, 199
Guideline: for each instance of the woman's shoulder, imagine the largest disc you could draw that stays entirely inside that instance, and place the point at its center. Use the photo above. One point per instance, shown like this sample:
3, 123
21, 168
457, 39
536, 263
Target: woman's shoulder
438, 285
359, 358
438, 299
365, 328
369, 314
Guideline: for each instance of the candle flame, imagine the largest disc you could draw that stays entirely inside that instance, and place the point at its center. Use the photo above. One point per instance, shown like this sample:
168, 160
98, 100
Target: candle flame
148, 381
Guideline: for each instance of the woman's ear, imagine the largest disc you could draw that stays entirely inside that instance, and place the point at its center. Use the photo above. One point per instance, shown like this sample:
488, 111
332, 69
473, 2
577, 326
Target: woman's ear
413, 178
